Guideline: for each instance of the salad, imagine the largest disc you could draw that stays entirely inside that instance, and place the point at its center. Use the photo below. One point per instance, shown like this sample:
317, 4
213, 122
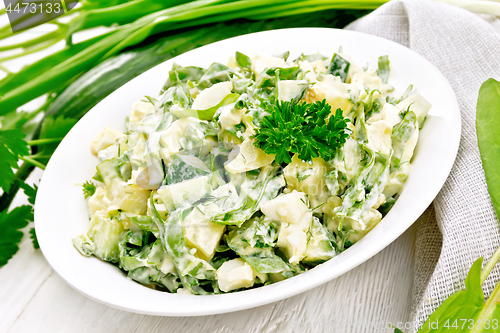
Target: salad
246, 174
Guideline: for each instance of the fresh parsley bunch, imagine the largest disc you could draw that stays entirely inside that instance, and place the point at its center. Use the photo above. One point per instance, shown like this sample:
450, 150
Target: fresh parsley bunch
307, 129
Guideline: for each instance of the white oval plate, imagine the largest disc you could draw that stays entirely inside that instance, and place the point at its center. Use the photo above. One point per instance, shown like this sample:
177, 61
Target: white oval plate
61, 211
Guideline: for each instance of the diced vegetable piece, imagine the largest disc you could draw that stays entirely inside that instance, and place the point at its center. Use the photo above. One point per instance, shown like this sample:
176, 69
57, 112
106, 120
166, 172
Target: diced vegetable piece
287, 208
108, 170
139, 110
128, 197
319, 248
308, 178
249, 158
169, 138
183, 194
84, 245
98, 201
289, 90
292, 238
262, 62
379, 137
235, 274
105, 234
104, 139
212, 96
200, 232
418, 105
333, 91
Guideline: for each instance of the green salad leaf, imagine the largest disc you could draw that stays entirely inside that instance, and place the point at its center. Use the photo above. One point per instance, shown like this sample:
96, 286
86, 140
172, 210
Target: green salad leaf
488, 136
464, 311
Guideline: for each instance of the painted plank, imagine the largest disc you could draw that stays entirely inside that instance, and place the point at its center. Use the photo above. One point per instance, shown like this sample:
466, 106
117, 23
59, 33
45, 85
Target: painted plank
375, 292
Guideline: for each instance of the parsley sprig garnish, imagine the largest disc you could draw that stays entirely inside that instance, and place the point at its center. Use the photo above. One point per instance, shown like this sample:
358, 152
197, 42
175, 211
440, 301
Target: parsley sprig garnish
89, 189
307, 129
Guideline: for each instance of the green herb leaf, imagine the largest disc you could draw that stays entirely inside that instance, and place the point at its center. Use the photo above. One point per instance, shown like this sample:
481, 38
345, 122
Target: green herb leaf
53, 128
10, 223
339, 67
15, 120
243, 60
488, 136
307, 129
30, 192
383, 68
466, 304
34, 239
12, 146
88, 189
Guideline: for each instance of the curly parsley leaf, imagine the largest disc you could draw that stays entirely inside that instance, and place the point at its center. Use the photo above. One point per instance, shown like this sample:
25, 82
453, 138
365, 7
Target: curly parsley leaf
12, 146
308, 129
10, 223
88, 189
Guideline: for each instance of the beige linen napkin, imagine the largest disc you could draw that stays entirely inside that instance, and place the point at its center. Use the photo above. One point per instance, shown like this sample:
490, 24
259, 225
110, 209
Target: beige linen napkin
460, 226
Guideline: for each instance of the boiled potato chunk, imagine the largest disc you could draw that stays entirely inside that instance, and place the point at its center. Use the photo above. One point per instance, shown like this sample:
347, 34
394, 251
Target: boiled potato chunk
308, 178
379, 137
184, 193
235, 274
416, 103
129, 197
262, 62
292, 238
169, 138
368, 79
98, 201
229, 116
139, 110
107, 137
212, 96
334, 91
249, 158
287, 208
200, 232
290, 89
